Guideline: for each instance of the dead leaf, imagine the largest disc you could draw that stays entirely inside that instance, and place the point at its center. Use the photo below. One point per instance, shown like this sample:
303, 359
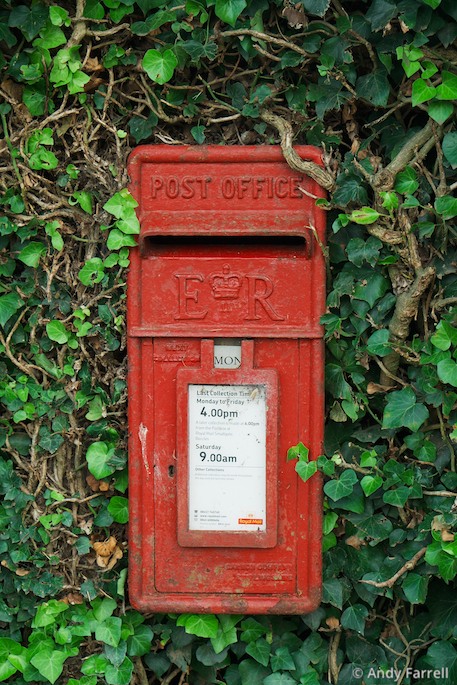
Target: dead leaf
73, 598
295, 16
92, 64
14, 90
21, 572
446, 536
438, 523
107, 553
373, 388
355, 541
332, 622
93, 84
93, 483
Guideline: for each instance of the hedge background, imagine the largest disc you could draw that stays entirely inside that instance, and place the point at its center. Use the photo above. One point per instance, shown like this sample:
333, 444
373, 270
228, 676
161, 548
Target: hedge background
373, 82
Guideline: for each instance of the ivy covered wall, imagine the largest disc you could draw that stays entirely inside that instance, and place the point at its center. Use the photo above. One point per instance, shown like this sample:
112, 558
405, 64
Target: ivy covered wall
371, 82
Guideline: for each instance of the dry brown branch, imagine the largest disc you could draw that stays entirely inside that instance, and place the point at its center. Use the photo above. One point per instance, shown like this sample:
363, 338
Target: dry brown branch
408, 566
284, 128
265, 37
405, 311
79, 29
416, 148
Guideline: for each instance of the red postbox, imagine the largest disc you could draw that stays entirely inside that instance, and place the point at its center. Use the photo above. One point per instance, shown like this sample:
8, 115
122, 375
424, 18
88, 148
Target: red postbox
225, 292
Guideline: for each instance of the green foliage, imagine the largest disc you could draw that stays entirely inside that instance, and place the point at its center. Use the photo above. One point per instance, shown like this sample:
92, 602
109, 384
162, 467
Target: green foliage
375, 84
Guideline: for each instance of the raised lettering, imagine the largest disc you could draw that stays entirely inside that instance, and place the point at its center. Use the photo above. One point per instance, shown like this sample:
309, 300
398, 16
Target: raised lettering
260, 289
228, 188
188, 190
186, 296
156, 185
282, 189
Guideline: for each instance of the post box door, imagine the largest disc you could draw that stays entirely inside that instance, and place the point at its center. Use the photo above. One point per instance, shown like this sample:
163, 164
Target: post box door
219, 520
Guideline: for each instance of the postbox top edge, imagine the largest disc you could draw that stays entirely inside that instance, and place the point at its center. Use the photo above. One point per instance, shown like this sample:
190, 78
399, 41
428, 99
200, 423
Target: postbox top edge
144, 154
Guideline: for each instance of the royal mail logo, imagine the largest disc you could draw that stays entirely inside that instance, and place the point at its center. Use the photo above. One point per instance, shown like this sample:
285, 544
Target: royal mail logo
225, 285
250, 522
199, 295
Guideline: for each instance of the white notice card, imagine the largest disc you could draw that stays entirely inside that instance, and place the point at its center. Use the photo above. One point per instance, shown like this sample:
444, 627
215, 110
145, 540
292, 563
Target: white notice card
227, 457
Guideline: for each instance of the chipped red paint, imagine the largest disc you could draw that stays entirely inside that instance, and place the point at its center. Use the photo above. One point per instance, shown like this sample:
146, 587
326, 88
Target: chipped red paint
227, 249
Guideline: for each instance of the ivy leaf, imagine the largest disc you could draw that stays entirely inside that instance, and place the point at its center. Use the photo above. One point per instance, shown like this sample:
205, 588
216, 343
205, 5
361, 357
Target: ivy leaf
421, 92
205, 625
415, 588
251, 630
374, 87
282, 660
447, 90
378, 343
119, 675
29, 20
450, 148
350, 189
92, 272
34, 98
139, 643
337, 489
279, 679
117, 239
98, 456
121, 204
327, 96
316, 7
446, 206
141, 128
444, 336
372, 289
359, 251
84, 200
229, 10
365, 215
9, 304
198, 50
252, 672
109, 631
397, 497
32, 253
198, 134
46, 613
49, 663
7, 36
207, 655
118, 507
306, 469
260, 651
336, 383
403, 410
406, 181
103, 608
440, 111
447, 371
370, 484
444, 654
160, 66
353, 618
57, 332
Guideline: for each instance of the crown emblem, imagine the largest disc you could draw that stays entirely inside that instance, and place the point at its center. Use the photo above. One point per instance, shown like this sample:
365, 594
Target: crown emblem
225, 285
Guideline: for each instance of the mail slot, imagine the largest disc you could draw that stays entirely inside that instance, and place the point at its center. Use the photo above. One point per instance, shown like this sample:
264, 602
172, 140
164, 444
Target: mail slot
225, 292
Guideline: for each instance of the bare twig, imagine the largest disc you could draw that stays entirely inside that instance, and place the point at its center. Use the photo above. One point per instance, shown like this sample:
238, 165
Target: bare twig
284, 128
408, 566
